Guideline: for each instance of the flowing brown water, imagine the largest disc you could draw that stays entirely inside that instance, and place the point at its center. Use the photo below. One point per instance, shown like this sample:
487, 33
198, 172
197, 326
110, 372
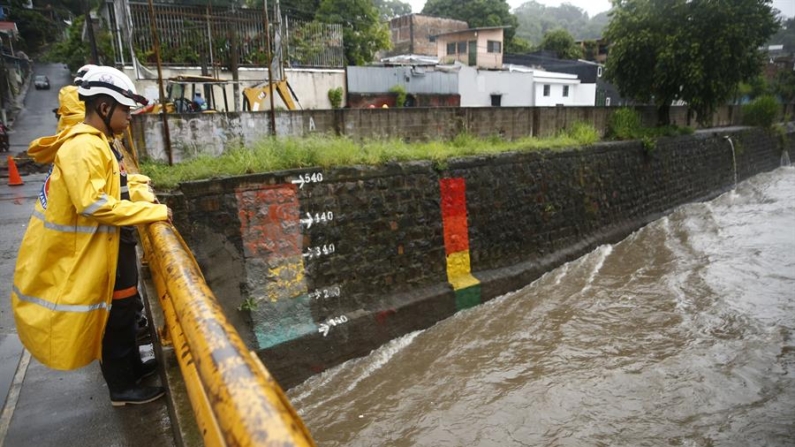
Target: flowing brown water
680, 335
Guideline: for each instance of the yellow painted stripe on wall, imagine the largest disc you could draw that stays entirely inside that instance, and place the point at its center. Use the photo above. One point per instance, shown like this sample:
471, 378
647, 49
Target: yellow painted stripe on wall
288, 280
458, 271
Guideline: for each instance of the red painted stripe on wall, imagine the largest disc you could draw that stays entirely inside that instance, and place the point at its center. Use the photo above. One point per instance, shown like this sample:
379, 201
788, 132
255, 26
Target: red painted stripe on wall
454, 215
270, 221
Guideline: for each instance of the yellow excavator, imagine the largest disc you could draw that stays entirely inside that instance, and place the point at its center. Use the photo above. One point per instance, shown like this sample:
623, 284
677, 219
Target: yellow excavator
256, 98
180, 93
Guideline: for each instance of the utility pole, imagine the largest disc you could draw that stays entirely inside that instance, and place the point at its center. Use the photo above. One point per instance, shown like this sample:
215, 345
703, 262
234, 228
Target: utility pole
270, 74
156, 44
90, 28
234, 63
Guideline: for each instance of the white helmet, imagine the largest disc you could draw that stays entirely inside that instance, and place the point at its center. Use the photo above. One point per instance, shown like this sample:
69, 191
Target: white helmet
82, 72
110, 81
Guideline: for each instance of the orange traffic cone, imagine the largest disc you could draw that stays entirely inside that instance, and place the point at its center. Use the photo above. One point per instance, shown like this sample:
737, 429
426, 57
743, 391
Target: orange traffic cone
13, 175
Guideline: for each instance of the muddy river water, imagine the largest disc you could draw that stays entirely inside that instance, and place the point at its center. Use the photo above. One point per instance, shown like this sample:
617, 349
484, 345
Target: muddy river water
680, 335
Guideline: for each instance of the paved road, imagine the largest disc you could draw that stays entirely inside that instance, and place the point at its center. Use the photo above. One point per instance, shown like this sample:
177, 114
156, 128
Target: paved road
44, 407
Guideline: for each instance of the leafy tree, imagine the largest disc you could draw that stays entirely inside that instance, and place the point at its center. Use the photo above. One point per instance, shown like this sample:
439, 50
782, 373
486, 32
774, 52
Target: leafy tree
477, 13
74, 52
517, 45
561, 42
535, 20
785, 36
392, 8
784, 86
35, 30
693, 50
298, 9
362, 32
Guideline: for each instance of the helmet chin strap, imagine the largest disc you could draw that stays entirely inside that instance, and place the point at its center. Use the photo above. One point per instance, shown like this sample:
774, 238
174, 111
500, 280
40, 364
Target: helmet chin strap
106, 119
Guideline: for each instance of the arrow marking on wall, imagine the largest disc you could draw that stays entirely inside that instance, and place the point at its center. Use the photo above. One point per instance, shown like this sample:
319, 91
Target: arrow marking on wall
308, 221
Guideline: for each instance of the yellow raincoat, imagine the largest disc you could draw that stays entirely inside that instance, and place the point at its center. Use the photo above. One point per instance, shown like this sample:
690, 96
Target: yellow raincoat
66, 264
70, 108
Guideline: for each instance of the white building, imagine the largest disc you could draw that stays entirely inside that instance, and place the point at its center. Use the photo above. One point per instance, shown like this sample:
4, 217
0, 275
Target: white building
521, 87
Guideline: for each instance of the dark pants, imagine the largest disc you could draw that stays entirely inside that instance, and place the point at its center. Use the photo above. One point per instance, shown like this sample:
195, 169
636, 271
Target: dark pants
120, 332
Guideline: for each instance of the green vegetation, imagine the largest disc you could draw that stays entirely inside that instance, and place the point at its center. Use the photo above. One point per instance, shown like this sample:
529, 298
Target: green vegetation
477, 13
696, 51
363, 34
324, 151
626, 124
560, 41
335, 97
761, 112
75, 53
400, 92
535, 20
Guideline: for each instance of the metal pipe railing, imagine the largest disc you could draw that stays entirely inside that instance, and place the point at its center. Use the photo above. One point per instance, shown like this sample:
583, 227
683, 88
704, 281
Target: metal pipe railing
235, 400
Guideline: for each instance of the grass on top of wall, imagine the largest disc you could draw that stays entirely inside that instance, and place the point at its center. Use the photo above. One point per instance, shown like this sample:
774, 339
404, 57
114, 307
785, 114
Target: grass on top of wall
275, 154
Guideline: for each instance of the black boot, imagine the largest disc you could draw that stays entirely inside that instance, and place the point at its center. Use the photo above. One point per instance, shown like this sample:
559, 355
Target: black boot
145, 369
120, 377
143, 335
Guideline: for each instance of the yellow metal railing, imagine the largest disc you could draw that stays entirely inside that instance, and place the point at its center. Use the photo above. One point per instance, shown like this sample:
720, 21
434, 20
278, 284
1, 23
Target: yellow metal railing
235, 400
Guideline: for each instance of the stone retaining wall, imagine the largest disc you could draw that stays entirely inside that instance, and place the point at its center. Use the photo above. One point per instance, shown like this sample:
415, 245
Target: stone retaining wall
315, 267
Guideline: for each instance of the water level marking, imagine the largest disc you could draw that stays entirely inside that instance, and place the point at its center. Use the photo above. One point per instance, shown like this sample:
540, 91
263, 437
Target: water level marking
331, 322
320, 250
329, 292
315, 177
324, 217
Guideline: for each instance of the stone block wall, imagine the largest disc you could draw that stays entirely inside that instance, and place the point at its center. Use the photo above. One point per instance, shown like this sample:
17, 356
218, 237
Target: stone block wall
315, 267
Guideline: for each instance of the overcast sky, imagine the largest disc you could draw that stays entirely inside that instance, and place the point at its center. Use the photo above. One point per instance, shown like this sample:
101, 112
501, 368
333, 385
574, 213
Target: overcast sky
593, 7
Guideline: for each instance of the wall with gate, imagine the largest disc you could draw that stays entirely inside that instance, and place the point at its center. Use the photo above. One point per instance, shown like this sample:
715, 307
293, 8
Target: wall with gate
315, 267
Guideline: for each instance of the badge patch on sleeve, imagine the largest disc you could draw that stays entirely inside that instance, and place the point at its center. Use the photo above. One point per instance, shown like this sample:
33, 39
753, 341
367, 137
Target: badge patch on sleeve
45, 190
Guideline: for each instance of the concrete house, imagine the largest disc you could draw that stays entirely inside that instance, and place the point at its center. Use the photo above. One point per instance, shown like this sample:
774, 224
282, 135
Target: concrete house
518, 86
475, 47
415, 34
589, 73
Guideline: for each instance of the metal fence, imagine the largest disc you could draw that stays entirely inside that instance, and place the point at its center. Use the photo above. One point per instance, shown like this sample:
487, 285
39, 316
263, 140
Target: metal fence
202, 35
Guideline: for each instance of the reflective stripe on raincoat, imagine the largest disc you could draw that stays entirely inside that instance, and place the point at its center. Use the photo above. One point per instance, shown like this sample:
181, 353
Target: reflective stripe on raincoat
70, 108
66, 264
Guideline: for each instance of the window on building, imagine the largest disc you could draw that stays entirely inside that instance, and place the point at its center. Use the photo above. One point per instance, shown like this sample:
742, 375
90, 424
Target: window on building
546, 90
598, 72
565, 91
451, 49
607, 101
494, 46
496, 100
431, 39
462, 47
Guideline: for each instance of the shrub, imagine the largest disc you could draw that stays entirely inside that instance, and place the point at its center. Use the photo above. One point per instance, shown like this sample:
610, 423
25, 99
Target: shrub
624, 124
761, 112
401, 95
583, 133
335, 96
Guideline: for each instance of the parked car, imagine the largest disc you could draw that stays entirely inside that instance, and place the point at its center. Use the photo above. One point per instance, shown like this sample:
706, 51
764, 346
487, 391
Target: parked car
41, 82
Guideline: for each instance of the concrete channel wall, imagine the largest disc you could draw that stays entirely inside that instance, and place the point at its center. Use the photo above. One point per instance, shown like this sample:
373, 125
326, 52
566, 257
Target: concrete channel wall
315, 267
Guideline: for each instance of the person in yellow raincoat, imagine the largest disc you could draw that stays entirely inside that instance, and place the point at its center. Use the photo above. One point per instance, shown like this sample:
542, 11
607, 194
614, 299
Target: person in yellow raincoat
70, 108
75, 283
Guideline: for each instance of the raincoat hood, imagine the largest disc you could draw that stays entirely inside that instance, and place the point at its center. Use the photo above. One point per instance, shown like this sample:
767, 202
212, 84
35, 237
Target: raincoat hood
71, 109
43, 149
